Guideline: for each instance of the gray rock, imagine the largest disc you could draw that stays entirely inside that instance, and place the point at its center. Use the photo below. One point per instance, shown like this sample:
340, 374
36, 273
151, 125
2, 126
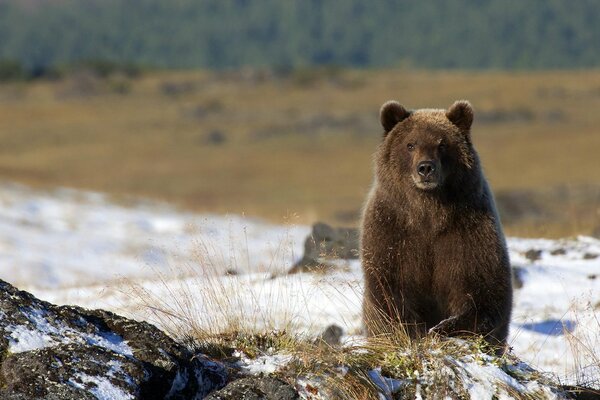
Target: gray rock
327, 243
256, 388
533, 255
332, 336
517, 277
67, 352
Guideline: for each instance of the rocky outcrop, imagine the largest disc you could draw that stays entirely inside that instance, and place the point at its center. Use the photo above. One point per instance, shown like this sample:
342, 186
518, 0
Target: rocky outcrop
66, 352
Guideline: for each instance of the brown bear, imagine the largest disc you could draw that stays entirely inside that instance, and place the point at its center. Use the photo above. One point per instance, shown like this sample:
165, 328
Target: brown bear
432, 248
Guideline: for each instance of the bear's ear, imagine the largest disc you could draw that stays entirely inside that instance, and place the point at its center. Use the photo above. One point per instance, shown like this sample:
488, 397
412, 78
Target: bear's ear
391, 113
461, 114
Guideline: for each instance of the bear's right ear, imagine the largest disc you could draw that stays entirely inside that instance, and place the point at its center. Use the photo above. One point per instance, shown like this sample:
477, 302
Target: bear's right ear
391, 113
461, 114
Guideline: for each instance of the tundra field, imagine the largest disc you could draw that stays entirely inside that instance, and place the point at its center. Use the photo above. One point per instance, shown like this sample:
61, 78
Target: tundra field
184, 198
207, 276
279, 143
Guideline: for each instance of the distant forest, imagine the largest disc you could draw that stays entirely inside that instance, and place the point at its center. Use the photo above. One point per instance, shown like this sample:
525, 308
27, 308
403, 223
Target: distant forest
217, 34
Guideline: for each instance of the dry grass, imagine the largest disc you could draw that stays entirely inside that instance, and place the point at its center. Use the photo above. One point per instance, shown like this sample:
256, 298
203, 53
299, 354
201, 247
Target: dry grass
226, 318
584, 348
301, 143
432, 367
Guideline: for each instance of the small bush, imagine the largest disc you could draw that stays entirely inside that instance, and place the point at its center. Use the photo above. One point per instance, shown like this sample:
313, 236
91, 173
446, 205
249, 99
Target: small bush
11, 71
105, 68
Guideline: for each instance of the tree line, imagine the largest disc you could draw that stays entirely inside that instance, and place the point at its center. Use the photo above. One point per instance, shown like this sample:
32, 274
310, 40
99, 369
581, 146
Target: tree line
217, 34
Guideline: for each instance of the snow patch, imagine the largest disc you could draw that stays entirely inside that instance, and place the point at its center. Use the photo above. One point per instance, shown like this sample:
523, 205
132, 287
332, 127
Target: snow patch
100, 387
24, 339
40, 333
266, 364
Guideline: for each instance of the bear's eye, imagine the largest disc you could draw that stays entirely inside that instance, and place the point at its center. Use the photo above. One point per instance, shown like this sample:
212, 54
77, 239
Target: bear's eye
442, 147
410, 147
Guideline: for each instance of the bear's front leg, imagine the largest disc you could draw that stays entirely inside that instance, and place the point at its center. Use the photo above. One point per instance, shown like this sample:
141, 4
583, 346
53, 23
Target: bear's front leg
470, 322
388, 312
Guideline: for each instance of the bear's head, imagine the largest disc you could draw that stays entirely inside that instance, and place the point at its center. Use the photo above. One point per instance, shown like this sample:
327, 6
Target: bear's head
426, 148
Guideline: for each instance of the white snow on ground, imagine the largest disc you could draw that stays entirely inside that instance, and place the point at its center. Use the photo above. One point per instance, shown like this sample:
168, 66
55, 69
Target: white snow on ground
72, 247
72, 238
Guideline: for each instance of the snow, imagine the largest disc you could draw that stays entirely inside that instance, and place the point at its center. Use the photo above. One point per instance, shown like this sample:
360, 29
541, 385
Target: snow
69, 238
40, 333
483, 380
101, 386
23, 339
72, 247
265, 364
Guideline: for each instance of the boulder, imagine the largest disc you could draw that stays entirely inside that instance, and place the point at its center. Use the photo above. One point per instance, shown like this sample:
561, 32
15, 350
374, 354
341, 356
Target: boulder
67, 352
327, 243
517, 277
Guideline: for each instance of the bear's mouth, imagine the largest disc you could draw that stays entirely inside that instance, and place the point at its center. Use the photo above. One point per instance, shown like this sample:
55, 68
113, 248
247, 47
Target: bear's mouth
426, 184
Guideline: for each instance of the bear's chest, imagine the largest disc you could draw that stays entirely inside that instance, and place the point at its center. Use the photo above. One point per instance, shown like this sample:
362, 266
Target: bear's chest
428, 261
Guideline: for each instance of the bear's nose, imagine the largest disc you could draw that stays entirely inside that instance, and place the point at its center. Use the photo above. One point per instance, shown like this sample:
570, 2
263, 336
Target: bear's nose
425, 168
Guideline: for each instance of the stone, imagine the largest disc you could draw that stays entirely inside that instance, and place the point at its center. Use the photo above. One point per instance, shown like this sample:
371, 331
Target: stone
256, 388
517, 277
327, 243
64, 352
533, 255
332, 336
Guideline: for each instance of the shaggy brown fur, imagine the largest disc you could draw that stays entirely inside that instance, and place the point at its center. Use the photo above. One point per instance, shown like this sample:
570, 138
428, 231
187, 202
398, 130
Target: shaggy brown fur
432, 248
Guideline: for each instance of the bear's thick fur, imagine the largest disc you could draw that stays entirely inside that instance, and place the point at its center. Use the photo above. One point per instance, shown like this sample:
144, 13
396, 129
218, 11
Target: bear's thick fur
432, 248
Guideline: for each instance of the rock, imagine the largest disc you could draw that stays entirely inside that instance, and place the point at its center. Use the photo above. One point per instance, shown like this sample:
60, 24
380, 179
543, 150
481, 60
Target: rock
327, 243
581, 392
558, 252
590, 256
256, 388
332, 336
67, 352
533, 255
517, 277
215, 137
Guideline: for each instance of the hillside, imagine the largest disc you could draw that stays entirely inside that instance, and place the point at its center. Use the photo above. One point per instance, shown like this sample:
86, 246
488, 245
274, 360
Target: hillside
231, 33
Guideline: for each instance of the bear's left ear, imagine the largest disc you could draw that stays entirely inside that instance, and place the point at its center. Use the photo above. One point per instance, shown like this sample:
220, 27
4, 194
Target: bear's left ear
461, 114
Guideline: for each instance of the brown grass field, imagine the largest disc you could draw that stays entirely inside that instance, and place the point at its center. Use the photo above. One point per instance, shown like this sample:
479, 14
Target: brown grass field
298, 143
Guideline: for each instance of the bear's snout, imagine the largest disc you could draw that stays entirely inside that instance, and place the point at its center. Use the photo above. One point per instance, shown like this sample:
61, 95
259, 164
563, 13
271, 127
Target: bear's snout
426, 174
426, 168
